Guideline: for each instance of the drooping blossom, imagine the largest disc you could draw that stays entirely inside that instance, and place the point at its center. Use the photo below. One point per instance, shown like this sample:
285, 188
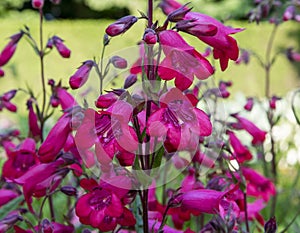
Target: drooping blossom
34, 128
121, 25
240, 152
61, 47
37, 4
111, 133
41, 179
118, 62
102, 206
10, 48
55, 140
80, 77
258, 135
179, 122
5, 101
20, 159
258, 185
182, 61
249, 104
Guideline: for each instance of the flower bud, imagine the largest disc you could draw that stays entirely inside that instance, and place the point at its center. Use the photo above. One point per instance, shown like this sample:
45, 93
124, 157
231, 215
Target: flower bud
49, 43
69, 190
130, 80
51, 82
249, 105
178, 14
7, 96
289, 13
2, 73
54, 101
150, 36
105, 40
292, 56
118, 62
81, 75
271, 225
195, 28
106, 100
37, 4
121, 25
272, 102
61, 48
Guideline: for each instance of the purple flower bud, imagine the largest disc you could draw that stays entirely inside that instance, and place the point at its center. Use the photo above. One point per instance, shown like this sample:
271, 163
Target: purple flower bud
121, 25
118, 62
69, 190
60, 46
272, 102
178, 14
81, 75
249, 105
37, 4
289, 13
150, 36
271, 225
2, 73
196, 28
10, 48
130, 80
7, 96
49, 43
51, 82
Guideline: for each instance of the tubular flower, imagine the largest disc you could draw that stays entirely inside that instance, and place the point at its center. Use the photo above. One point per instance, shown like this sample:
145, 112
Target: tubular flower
240, 152
20, 159
182, 61
6, 195
5, 101
258, 185
102, 206
10, 48
55, 140
81, 75
60, 46
110, 131
121, 25
34, 128
179, 121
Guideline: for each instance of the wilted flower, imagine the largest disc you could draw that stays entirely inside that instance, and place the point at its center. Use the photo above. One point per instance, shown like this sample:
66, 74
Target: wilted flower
81, 75
37, 4
121, 25
60, 46
182, 61
10, 48
118, 62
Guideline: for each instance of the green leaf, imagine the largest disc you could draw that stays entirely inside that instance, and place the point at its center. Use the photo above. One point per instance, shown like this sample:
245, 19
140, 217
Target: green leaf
10, 206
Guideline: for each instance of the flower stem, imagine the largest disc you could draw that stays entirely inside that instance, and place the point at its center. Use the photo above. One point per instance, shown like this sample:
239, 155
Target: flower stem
246, 212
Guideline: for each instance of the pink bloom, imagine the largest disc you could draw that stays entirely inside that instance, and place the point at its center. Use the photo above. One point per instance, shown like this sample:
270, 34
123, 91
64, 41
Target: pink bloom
258, 135
106, 100
41, 179
182, 61
34, 128
37, 4
289, 13
179, 121
102, 206
6, 195
249, 104
225, 47
258, 185
240, 152
121, 25
81, 75
10, 48
60, 46
66, 100
20, 159
55, 140
118, 62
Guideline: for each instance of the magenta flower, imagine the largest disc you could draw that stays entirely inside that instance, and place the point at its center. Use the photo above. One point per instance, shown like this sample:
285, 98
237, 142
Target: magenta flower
55, 140
179, 121
106, 100
150, 36
273, 100
5, 101
258, 135
258, 185
249, 104
253, 211
20, 159
118, 62
225, 47
182, 61
41, 179
37, 4
60, 46
34, 129
168, 6
102, 206
47, 227
121, 25
240, 152
10, 48
6, 195
111, 133
81, 75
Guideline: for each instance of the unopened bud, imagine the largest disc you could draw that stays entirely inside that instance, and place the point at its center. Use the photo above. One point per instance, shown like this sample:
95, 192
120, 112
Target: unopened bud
271, 225
106, 100
150, 36
47, 227
7, 96
249, 105
105, 40
121, 25
130, 80
118, 62
69, 190
179, 14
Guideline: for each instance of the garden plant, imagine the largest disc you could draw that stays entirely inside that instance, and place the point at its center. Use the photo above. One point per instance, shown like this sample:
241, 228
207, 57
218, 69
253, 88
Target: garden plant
161, 152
